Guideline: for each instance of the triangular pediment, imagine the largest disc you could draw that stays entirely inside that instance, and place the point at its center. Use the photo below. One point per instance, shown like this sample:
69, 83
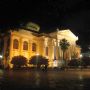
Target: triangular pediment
67, 33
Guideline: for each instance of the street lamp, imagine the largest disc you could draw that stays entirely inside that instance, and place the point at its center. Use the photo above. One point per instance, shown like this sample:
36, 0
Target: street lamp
81, 55
1, 56
81, 61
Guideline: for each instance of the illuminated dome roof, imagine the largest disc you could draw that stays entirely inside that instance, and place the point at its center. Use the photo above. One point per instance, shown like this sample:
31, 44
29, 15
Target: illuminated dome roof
32, 26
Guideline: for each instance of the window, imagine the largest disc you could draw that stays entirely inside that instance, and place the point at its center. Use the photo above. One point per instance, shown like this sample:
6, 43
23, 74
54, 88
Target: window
46, 51
25, 45
15, 44
34, 47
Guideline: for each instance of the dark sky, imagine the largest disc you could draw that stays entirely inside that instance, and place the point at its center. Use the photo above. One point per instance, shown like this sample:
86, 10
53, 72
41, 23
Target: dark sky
49, 14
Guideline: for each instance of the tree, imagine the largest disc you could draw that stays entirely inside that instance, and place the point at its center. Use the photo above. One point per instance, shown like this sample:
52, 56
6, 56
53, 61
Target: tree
64, 44
19, 61
85, 61
74, 63
74, 55
38, 60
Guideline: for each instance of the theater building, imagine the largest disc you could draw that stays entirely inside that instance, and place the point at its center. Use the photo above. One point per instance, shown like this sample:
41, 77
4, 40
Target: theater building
29, 43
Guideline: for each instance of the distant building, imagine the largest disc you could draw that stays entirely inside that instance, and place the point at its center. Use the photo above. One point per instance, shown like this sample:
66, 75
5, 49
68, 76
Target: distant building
28, 43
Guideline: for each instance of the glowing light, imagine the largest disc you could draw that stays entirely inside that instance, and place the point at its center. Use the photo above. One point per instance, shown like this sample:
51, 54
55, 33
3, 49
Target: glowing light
37, 54
1, 56
81, 55
55, 63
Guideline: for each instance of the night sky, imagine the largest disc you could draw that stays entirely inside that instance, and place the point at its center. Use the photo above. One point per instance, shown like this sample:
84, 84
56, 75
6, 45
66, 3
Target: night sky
49, 14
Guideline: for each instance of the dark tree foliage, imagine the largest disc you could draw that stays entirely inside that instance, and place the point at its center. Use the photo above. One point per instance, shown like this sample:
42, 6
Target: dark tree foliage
64, 45
74, 63
38, 60
19, 61
85, 61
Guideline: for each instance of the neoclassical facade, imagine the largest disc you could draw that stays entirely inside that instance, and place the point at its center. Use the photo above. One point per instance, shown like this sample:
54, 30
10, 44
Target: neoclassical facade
28, 43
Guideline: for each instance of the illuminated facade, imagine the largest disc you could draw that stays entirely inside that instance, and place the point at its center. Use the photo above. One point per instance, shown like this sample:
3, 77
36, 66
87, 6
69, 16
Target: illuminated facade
28, 43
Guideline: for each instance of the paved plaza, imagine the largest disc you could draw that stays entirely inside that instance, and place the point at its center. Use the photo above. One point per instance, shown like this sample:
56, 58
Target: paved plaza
52, 79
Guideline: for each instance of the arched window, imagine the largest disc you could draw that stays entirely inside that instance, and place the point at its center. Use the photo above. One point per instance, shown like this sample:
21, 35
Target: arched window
34, 47
15, 44
25, 45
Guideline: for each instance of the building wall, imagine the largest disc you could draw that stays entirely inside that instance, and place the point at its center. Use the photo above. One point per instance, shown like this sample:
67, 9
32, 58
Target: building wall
21, 37
42, 42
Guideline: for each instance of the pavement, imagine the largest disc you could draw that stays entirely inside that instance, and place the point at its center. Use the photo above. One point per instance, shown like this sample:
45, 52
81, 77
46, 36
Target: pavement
52, 79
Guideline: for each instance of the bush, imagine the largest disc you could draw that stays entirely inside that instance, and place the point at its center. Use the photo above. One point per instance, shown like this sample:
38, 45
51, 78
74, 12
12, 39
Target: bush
74, 63
85, 61
19, 61
38, 60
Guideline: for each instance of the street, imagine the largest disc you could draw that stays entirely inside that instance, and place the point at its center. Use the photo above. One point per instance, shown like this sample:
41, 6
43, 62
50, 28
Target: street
62, 80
